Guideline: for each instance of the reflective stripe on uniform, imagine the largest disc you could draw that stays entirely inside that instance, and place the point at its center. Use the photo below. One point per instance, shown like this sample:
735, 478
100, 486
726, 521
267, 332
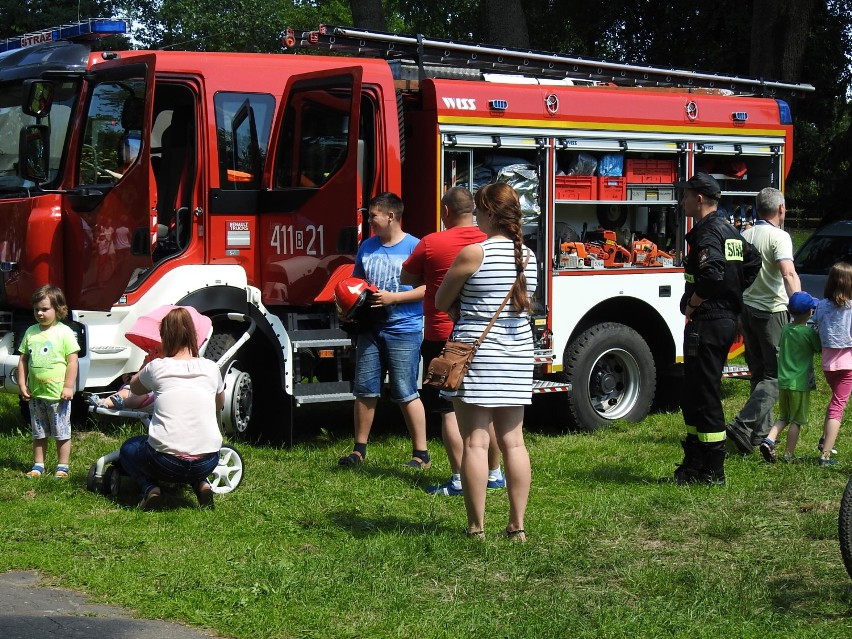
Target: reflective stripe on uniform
711, 438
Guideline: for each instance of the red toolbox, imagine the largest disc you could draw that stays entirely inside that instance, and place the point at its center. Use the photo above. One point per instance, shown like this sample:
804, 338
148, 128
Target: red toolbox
576, 187
612, 188
651, 171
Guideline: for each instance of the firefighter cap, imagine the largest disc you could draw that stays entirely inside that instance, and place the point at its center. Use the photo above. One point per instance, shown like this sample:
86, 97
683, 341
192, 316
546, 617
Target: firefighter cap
703, 184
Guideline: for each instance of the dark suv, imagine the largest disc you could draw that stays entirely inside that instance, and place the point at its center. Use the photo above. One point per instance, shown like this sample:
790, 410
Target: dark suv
828, 245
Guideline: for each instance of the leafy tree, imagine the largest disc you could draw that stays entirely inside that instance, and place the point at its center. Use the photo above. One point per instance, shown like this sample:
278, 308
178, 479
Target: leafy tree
235, 25
505, 23
368, 14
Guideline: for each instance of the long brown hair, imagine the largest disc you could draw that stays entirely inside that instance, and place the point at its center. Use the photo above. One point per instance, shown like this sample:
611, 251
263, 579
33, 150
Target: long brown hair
838, 286
178, 332
500, 201
56, 298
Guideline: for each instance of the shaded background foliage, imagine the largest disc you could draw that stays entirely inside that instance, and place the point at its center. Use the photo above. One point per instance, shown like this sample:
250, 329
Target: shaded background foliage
795, 40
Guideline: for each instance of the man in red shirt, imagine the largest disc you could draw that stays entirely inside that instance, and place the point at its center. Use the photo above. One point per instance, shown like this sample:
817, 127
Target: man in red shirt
429, 263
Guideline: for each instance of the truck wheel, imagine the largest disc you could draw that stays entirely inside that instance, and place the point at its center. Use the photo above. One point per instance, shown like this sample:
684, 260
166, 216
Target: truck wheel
845, 527
613, 376
239, 387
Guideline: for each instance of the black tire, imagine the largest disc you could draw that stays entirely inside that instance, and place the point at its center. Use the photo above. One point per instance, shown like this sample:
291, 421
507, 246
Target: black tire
92, 483
111, 482
613, 376
845, 527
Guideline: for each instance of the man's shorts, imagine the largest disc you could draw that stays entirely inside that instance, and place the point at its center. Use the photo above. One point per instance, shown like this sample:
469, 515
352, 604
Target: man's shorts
50, 419
398, 354
794, 406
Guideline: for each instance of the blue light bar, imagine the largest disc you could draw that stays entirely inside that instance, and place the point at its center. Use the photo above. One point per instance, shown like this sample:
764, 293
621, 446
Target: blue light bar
90, 29
784, 114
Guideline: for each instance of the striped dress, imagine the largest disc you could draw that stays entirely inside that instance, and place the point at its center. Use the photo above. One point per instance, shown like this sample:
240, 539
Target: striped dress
501, 371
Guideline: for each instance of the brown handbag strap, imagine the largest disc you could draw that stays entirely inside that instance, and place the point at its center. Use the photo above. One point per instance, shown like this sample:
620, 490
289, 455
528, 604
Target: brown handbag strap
502, 306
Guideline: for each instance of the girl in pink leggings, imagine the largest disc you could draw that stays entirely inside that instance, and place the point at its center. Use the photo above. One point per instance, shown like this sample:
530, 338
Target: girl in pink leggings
833, 317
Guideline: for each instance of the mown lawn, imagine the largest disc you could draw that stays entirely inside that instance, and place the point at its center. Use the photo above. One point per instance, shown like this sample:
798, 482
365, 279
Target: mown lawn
304, 549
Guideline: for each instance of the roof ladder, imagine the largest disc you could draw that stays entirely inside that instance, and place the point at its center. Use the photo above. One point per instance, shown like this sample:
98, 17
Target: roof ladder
447, 53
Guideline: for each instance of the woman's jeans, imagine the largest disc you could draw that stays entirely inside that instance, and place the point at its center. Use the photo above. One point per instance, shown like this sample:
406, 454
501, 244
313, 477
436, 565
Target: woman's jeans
148, 467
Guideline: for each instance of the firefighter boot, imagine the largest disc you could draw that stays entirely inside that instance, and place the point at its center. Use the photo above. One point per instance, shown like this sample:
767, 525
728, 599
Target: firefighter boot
714, 467
690, 469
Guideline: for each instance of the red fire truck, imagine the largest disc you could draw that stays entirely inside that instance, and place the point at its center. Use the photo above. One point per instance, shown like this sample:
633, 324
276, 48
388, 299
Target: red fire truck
237, 184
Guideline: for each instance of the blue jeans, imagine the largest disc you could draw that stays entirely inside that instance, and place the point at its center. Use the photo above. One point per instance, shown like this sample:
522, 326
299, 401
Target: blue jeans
148, 467
396, 353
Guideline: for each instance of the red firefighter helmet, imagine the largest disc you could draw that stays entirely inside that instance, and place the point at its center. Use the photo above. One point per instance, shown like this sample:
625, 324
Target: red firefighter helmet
349, 295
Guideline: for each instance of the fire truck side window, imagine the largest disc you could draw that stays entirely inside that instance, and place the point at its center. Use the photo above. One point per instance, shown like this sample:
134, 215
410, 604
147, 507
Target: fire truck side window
243, 124
113, 131
315, 136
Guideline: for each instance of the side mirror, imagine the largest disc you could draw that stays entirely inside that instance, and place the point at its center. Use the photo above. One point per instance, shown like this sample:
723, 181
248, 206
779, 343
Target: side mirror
39, 98
34, 153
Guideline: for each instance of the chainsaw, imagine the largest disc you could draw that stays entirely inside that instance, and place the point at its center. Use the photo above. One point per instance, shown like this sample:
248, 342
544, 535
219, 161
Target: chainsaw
646, 253
572, 255
603, 245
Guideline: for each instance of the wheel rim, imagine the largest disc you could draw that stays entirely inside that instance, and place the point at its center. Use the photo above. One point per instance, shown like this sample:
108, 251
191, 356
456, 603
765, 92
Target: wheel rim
228, 473
238, 403
614, 383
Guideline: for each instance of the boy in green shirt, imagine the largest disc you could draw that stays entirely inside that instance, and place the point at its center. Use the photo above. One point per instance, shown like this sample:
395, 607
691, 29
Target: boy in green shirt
799, 343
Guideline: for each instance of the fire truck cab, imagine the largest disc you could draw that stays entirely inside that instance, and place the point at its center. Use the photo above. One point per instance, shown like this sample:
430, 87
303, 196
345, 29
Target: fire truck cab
238, 184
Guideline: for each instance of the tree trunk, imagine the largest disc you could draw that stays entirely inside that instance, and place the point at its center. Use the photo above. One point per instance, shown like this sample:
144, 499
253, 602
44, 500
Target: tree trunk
779, 36
368, 14
505, 23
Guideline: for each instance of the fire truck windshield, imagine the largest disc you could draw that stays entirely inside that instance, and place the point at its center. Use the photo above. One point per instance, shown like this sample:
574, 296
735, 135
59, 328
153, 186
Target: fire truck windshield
13, 119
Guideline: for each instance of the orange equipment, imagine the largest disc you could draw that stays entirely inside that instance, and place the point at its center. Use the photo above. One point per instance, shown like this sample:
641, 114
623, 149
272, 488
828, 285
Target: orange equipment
604, 246
646, 253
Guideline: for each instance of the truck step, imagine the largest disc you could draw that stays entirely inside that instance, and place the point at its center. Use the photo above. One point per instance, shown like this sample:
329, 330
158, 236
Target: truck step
541, 386
319, 338
544, 356
734, 370
317, 392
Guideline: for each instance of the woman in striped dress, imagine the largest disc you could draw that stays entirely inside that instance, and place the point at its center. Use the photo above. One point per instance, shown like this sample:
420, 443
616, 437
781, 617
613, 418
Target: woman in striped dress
499, 381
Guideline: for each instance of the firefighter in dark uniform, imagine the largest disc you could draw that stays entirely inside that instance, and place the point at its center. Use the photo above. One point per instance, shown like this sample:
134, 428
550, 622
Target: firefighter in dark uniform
719, 266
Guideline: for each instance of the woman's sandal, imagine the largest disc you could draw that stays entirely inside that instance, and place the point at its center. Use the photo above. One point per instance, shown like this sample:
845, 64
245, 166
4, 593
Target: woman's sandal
518, 535
475, 534
352, 460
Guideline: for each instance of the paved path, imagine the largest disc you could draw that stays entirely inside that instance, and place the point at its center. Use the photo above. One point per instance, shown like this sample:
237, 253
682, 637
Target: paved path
29, 611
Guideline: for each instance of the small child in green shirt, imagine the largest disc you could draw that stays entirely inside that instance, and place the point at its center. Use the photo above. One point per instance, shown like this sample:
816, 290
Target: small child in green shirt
799, 343
47, 374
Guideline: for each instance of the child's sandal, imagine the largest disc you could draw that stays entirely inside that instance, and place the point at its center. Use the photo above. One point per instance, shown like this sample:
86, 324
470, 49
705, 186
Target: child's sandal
35, 471
117, 401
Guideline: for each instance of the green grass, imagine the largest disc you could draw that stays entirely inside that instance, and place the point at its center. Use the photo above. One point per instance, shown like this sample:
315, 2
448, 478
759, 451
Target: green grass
304, 549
